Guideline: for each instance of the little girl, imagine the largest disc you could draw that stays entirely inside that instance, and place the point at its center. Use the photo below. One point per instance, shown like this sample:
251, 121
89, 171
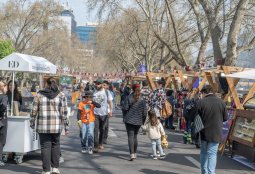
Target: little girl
155, 131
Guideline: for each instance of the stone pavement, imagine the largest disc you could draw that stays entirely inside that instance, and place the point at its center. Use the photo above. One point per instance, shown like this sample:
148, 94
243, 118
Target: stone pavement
181, 159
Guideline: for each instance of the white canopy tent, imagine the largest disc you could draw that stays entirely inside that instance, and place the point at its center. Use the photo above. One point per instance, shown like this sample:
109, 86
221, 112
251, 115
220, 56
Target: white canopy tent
17, 62
26, 63
249, 74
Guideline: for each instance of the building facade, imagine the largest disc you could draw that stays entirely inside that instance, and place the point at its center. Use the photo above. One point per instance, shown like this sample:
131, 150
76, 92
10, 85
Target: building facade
87, 33
68, 18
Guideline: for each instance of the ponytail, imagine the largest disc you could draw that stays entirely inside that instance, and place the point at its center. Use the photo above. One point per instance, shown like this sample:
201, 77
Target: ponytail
52, 84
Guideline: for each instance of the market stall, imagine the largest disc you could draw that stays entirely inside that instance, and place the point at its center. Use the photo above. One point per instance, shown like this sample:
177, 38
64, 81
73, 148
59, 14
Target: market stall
21, 139
242, 134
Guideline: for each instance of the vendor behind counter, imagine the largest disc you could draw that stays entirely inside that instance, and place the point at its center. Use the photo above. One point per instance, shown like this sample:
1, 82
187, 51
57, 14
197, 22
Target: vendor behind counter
17, 95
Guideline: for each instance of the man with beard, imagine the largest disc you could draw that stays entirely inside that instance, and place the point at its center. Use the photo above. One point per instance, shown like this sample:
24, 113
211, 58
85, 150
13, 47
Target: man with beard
104, 98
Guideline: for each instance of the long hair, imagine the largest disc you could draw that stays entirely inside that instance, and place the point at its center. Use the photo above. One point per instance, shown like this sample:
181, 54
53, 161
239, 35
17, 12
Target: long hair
16, 92
137, 91
52, 84
153, 118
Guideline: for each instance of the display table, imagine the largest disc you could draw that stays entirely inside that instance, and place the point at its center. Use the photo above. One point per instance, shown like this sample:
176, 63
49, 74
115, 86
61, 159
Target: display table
243, 134
21, 139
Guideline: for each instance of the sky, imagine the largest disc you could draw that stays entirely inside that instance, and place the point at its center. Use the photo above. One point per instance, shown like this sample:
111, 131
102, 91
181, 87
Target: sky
81, 12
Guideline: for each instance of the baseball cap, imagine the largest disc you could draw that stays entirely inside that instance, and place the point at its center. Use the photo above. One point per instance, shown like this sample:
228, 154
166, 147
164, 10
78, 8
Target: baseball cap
99, 81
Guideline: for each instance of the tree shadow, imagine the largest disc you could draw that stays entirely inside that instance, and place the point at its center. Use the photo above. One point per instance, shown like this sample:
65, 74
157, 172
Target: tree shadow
150, 171
21, 169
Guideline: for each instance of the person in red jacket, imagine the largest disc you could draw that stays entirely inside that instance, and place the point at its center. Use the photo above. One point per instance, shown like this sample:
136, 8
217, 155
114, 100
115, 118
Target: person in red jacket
86, 115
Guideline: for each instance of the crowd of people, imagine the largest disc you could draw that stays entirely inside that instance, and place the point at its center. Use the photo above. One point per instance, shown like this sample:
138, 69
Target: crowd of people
141, 108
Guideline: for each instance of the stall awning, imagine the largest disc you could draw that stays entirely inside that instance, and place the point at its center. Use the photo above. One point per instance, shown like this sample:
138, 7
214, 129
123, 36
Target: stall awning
249, 74
27, 63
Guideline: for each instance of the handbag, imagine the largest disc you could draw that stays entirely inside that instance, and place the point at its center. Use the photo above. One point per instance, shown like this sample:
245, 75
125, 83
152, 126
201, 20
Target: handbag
198, 124
166, 110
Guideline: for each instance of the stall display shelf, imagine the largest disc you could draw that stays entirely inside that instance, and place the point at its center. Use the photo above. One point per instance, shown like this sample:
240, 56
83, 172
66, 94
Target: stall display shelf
242, 134
248, 127
244, 129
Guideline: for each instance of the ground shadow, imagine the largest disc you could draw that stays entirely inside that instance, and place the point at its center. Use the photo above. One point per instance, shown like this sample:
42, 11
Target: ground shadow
150, 171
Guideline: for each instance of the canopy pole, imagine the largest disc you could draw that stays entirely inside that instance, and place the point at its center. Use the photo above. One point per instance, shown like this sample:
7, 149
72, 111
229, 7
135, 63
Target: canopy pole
40, 81
13, 77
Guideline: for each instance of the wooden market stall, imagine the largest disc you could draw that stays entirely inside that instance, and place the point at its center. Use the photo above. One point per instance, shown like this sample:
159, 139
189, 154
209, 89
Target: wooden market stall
242, 132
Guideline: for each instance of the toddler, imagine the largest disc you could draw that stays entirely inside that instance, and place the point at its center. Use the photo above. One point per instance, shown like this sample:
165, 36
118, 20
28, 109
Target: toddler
155, 131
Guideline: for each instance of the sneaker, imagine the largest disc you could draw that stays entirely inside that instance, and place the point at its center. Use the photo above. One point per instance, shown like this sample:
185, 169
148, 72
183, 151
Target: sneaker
101, 147
55, 171
157, 155
154, 157
135, 156
2, 164
46, 172
90, 151
84, 151
132, 157
61, 160
162, 157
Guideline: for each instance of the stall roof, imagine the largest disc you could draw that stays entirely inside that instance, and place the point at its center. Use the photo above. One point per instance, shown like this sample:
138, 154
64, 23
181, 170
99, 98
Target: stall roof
249, 74
27, 63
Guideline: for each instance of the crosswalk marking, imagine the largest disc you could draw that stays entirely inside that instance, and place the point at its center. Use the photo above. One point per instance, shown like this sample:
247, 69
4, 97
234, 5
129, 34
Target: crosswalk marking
193, 161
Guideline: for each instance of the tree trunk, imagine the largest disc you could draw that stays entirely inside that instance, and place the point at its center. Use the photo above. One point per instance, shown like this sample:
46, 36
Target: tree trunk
214, 30
203, 46
234, 32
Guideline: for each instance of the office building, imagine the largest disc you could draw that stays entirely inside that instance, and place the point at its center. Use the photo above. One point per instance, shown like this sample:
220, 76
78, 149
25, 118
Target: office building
68, 18
87, 33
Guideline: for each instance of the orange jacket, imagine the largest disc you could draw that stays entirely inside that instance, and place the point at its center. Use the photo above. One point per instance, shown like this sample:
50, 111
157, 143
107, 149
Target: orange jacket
87, 112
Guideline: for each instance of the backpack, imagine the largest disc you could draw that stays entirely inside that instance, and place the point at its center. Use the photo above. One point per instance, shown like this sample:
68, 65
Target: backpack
166, 110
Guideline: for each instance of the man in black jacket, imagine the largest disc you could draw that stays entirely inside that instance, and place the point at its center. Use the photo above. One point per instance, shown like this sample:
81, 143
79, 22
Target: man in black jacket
213, 112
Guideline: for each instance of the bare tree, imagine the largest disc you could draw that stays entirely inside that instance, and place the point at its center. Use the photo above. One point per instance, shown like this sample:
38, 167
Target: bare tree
234, 18
34, 27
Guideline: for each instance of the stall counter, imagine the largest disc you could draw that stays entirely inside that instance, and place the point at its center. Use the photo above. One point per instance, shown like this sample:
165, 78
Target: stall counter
21, 139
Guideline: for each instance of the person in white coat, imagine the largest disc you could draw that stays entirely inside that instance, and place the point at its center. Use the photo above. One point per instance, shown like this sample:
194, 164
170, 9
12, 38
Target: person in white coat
155, 130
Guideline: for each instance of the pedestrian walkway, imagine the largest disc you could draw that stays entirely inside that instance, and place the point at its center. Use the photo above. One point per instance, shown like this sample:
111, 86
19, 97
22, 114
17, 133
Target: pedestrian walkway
180, 159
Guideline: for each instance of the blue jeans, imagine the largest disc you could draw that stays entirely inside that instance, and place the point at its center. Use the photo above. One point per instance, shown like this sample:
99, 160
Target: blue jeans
156, 144
208, 157
88, 135
82, 144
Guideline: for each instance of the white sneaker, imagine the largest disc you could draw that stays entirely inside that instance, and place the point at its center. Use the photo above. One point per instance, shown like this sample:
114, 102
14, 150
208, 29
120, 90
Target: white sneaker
61, 160
157, 155
55, 171
46, 172
84, 151
90, 151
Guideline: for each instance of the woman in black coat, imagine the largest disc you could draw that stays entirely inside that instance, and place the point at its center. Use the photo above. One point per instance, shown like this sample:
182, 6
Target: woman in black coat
17, 95
3, 118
